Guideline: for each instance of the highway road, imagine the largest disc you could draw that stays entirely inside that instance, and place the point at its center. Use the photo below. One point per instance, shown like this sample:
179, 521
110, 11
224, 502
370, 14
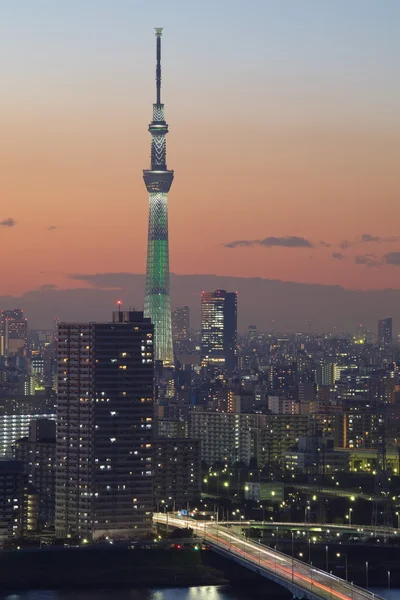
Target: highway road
361, 530
302, 579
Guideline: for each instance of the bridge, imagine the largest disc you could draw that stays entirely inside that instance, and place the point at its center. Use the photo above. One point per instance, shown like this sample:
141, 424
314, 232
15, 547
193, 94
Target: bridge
301, 579
364, 530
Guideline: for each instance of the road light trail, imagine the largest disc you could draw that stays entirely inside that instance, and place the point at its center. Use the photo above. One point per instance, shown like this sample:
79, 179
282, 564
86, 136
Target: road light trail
289, 571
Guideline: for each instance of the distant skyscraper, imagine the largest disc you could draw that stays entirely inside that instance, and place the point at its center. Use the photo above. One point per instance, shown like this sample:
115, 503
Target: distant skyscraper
181, 323
251, 334
158, 180
385, 331
105, 428
219, 329
14, 331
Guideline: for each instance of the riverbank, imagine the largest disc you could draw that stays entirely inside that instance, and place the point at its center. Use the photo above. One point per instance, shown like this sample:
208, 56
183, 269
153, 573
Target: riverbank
99, 568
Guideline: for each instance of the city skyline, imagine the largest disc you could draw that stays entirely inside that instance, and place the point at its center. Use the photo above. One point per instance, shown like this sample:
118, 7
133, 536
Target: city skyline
316, 117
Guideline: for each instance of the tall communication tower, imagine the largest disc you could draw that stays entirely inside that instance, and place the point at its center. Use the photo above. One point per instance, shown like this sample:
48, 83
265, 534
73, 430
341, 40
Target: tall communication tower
158, 180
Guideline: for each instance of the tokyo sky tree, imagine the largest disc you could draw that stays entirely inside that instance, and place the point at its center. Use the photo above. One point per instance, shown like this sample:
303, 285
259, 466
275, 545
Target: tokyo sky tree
158, 180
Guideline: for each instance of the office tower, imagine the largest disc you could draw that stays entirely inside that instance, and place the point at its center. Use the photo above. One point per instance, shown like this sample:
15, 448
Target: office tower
180, 323
385, 331
219, 329
37, 452
158, 180
104, 481
14, 331
177, 471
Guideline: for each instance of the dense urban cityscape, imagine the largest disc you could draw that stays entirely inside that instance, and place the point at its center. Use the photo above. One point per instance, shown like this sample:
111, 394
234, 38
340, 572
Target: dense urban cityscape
274, 450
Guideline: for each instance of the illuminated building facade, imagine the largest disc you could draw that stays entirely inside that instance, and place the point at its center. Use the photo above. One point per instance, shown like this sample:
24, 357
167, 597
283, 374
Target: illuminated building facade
104, 449
177, 471
37, 452
180, 323
14, 331
219, 329
385, 331
158, 180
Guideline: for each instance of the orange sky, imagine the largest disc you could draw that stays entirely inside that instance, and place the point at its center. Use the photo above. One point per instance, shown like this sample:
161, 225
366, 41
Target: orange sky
254, 157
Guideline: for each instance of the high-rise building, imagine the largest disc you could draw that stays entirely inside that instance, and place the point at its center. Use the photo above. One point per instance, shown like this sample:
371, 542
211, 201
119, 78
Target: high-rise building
16, 414
14, 331
180, 323
12, 482
177, 471
104, 481
219, 329
385, 331
158, 180
37, 452
251, 334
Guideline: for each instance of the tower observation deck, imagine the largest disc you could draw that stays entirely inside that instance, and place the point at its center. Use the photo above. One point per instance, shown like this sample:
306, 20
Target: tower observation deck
158, 180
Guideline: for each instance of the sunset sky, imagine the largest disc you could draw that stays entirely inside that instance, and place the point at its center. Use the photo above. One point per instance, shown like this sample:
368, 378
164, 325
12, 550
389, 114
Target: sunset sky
284, 136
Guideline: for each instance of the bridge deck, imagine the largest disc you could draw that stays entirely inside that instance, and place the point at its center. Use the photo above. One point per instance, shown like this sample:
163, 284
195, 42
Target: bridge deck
303, 580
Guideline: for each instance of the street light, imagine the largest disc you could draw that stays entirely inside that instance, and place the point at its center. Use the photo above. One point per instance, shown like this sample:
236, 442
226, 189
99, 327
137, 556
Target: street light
326, 558
350, 511
366, 575
398, 520
345, 562
292, 557
388, 574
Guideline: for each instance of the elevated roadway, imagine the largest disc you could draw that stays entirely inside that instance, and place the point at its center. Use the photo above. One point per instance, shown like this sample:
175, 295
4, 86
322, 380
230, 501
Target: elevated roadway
325, 527
301, 579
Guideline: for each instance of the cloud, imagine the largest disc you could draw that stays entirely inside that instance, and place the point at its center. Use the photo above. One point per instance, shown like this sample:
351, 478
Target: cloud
367, 237
105, 281
345, 244
8, 223
369, 260
47, 287
288, 241
392, 258
51, 227
324, 244
333, 308
337, 255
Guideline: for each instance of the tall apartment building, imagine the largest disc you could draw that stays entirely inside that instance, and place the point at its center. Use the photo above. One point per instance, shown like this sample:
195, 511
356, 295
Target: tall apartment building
219, 329
180, 323
104, 481
37, 452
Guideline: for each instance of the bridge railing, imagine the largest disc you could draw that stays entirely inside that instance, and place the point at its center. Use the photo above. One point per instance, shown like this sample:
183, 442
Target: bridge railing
298, 567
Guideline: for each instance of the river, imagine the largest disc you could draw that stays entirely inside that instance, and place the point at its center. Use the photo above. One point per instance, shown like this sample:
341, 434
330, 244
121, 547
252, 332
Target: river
193, 593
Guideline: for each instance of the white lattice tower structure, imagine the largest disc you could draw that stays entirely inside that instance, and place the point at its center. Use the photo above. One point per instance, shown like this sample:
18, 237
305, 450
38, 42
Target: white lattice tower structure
158, 180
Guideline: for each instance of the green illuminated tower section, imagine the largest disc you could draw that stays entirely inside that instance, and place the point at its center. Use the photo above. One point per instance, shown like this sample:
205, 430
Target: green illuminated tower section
158, 180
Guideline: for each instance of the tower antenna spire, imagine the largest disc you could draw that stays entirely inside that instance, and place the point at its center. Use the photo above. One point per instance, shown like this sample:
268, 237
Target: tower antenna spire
158, 31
